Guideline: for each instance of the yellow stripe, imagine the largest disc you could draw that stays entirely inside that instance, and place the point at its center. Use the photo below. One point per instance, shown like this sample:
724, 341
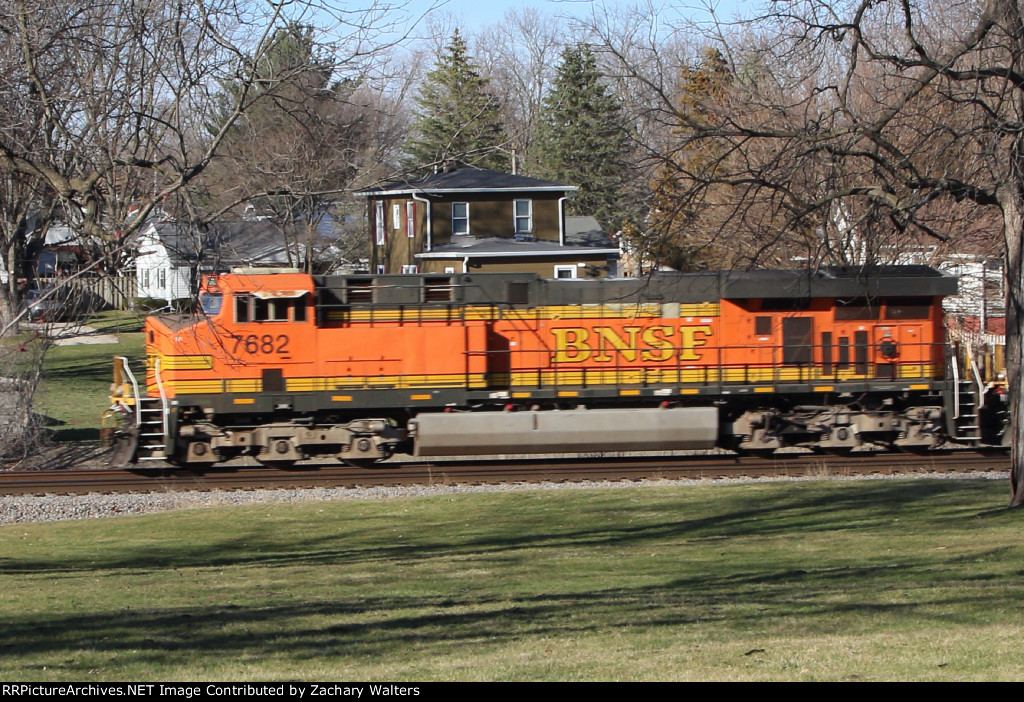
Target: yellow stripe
521, 395
764, 389
568, 393
198, 386
491, 313
341, 398
421, 397
169, 363
551, 377
244, 401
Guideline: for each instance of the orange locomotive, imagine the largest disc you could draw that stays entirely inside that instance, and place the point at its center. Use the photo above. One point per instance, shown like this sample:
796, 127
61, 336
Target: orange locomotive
285, 366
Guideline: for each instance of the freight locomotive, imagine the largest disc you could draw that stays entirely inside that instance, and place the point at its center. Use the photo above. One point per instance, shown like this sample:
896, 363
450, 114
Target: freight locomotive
285, 366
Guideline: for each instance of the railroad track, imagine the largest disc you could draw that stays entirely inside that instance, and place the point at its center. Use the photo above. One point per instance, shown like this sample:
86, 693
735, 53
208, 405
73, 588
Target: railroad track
171, 479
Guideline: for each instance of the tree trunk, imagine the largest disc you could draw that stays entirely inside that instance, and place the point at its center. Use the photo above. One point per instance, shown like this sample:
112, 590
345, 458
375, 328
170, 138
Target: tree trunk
1013, 223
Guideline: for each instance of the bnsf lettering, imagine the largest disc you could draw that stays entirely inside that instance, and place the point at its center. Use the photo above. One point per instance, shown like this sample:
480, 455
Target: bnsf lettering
655, 344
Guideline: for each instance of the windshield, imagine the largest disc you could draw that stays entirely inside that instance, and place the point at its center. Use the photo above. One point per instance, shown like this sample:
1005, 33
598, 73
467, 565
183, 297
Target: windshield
210, 302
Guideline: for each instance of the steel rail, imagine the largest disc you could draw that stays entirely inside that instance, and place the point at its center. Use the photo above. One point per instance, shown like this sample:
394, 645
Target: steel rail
599, 469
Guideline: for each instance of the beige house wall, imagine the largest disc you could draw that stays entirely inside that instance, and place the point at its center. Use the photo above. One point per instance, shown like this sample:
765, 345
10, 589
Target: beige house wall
544, 266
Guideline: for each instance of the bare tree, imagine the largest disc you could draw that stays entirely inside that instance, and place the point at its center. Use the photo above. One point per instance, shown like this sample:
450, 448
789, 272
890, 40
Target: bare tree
519, 55
116, 94
104, 106
872, 116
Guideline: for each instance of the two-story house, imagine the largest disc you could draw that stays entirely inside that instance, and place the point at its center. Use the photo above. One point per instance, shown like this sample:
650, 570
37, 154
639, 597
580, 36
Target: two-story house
471, 219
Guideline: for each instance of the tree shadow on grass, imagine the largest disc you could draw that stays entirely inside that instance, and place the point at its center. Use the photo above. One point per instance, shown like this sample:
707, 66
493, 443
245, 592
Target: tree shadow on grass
813, 592
790, 511
366, 628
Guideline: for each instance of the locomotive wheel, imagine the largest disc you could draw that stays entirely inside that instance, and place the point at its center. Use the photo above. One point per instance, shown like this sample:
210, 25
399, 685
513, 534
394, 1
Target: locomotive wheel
757, 452
278, 465
363, 463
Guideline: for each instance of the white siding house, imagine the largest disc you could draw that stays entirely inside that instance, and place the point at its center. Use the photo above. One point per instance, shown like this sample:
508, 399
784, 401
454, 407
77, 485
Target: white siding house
171, 256
159, 274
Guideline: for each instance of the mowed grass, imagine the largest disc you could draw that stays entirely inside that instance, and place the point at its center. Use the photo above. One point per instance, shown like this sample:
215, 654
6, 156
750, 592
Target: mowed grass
75, 388
873, 580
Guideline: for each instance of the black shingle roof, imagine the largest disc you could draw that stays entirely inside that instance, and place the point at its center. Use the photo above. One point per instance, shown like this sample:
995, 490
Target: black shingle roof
467, 179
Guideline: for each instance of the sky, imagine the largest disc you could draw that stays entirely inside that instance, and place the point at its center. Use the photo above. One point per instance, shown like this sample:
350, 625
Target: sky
477, 13
482, 12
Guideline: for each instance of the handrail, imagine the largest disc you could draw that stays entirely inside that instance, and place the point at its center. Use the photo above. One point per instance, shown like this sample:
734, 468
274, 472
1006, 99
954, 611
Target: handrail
977, 376
135, 388
955, 367
165, 409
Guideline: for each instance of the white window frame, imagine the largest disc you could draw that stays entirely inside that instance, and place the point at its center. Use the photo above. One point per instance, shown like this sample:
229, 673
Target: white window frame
396, 216
454, 218
410, 219
379, 224
568, 268
161, 277
407, 269
528, 217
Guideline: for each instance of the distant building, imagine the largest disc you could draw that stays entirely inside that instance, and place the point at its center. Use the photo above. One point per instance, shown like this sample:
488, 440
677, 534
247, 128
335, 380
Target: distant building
172, 255
470, 219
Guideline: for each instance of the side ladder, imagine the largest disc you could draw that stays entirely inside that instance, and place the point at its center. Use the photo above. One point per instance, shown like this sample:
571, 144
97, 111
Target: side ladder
151, 415
968, 393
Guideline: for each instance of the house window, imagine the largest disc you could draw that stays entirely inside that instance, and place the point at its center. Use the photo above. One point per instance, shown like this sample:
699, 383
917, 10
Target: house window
460, 218
410, 269
565, 271
523, 215
379, 223
161, 278
410, 219
396, 216
145, 278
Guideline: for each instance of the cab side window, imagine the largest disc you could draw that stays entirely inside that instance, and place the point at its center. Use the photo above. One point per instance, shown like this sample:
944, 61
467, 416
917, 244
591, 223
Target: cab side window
256, 309
242, 308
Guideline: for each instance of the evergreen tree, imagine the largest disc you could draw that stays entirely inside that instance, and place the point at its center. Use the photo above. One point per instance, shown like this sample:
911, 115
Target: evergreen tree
459, 117
584, 140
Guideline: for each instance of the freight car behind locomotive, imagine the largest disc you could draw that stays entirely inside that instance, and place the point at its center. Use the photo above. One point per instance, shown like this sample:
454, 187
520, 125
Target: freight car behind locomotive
285, 366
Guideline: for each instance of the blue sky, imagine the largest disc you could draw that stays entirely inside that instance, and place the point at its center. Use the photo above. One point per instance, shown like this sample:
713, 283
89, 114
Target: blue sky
481, 12
477, 13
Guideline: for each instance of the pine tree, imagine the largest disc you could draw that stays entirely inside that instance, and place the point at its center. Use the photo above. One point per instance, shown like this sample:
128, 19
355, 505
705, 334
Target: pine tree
458, 118
584, 140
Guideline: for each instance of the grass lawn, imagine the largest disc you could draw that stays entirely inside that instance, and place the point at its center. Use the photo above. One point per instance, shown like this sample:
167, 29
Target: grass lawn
870, 580
76, 382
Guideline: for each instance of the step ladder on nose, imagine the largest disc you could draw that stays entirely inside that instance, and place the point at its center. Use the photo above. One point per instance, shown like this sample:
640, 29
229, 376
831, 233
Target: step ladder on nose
144, 434
968, 394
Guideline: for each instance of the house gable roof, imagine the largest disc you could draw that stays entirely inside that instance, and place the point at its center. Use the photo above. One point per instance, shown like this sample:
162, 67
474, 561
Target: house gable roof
223, 243
465, 180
